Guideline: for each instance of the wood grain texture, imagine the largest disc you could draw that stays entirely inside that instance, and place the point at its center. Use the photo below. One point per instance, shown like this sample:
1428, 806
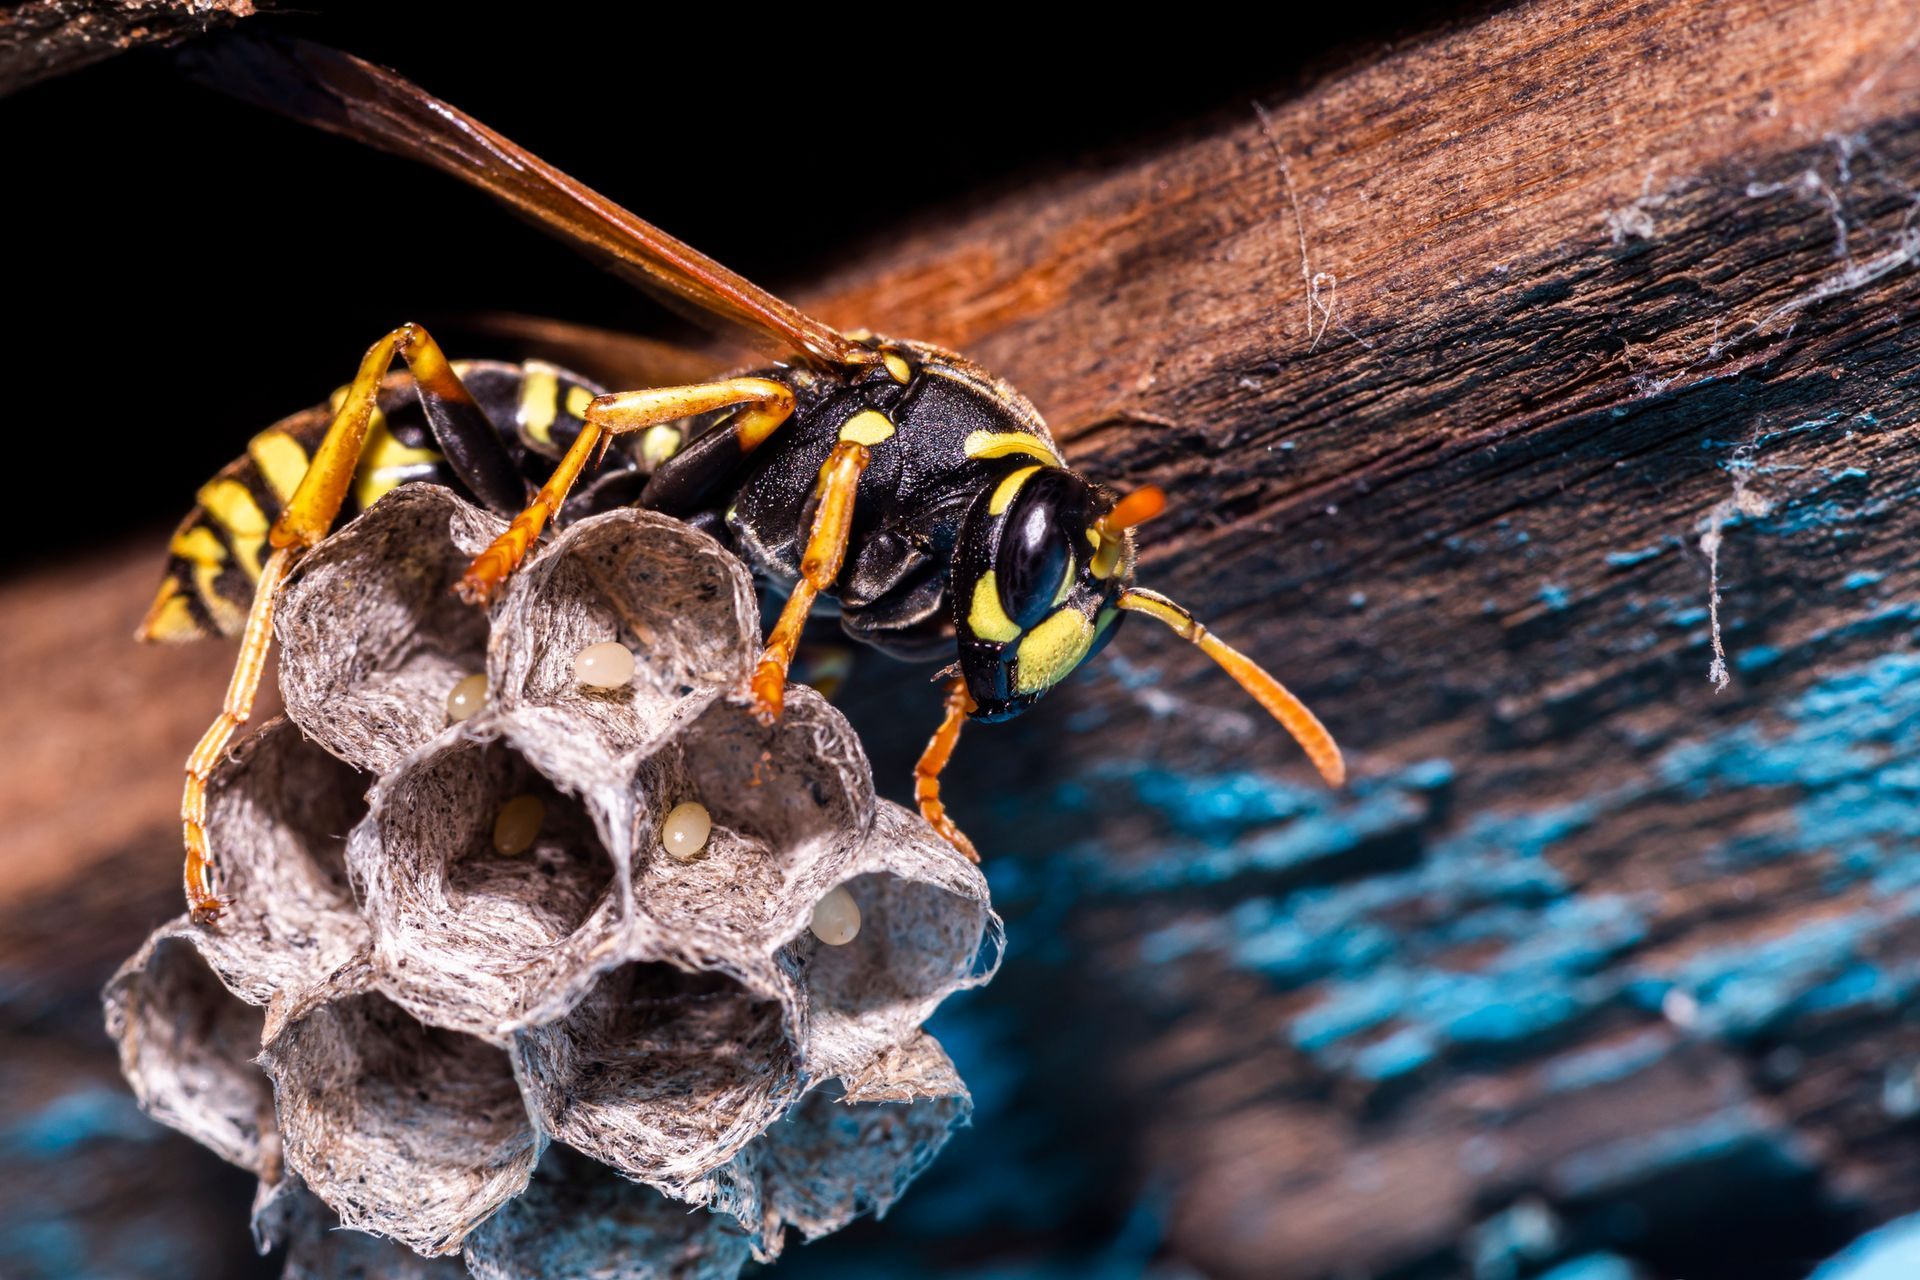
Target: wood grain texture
40, 39
1451, 373
1582, 285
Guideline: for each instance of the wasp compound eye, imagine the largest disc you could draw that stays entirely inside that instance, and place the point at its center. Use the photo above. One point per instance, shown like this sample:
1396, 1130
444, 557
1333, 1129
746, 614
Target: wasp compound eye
1034, 562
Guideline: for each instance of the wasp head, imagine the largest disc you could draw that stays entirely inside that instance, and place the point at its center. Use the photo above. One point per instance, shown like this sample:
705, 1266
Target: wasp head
1042, 561
1042, 572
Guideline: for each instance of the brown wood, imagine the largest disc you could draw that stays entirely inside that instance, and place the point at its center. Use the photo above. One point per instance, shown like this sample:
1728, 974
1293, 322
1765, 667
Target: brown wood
40, 39
1453, 372
1569, 261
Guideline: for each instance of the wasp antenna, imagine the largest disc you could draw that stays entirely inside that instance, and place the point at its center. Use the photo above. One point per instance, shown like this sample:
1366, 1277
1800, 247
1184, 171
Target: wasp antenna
1138, 507
1249, 675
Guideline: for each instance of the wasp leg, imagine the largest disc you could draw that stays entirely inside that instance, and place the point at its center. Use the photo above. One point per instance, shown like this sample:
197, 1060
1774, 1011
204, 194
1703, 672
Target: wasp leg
308, 516
460, 428
819, 566
234, 712
767, 404
926, 772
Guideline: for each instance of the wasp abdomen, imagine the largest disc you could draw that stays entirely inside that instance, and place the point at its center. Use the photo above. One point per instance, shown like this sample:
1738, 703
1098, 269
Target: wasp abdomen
214, 561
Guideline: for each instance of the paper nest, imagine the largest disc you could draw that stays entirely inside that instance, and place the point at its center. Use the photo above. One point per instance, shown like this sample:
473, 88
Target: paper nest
392, 1021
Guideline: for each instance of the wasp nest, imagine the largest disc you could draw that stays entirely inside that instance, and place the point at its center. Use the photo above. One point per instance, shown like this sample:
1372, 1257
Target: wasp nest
462, 927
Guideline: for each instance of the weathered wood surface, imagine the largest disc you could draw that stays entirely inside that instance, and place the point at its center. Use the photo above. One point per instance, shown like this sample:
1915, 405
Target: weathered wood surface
40, 39
1452, 371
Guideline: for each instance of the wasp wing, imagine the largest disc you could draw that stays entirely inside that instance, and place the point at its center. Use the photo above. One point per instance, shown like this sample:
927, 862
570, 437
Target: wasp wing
346, 95
605, 356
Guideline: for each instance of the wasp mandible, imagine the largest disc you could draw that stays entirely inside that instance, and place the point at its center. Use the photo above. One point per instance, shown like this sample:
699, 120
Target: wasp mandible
920, 493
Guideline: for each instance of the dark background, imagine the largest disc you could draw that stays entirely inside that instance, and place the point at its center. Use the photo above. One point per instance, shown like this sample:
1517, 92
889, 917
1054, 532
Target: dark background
188, 269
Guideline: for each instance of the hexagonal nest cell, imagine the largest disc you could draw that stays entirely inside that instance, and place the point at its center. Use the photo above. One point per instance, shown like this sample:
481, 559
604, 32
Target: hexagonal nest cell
466, 936
372, 638
404, 1003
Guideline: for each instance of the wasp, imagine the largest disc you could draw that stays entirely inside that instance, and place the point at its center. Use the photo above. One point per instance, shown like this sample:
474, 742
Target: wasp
915, 492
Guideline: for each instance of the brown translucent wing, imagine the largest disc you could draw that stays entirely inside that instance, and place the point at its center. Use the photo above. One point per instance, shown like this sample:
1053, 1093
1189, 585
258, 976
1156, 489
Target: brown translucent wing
345, 95
605, 356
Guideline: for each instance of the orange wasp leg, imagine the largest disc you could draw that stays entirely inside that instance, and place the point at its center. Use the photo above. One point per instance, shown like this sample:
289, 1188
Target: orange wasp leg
826, 551
309, 515
926, 772
234, 712
767, 405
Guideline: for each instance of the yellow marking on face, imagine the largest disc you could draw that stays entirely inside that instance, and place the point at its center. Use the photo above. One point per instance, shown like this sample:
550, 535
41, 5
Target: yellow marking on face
281, 461
232, 507
168, 618
385, 463
1065, 588
1003, 492
998, 444
578, 398
868, 427
539, 404
897, 366
1052, 649
657, 444
985, 616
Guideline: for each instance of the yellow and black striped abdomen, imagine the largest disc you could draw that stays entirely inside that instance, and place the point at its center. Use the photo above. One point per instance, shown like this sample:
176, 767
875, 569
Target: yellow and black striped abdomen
216, 554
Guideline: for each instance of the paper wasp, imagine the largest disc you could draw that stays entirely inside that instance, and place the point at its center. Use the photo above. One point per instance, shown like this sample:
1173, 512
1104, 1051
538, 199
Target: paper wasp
921, 494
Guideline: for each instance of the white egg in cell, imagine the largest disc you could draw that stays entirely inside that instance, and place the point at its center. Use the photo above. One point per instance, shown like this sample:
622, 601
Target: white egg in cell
518, 824
684, 834
836, 917
467, 697
607, 665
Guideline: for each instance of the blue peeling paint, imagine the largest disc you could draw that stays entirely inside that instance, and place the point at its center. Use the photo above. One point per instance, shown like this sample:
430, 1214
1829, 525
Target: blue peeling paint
1639, 555
1891, 1253
1606, 1063
73, 1119
1479, 946
1758, 989
1514, 1241
1843, 753
1230, 825
1860, 578
1554, 596
1221, 807
1595, 1266
1741, 1133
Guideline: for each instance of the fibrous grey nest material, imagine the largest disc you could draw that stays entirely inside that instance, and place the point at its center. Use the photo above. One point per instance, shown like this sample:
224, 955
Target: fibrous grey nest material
393, 1020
